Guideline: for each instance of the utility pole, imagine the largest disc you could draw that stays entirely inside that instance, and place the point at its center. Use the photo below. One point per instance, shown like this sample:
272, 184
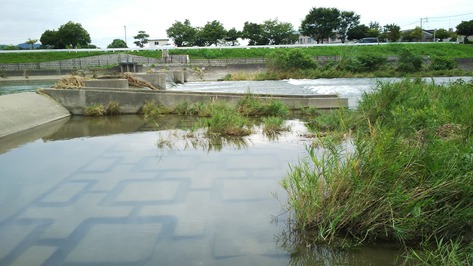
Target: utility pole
421, 29
125, 37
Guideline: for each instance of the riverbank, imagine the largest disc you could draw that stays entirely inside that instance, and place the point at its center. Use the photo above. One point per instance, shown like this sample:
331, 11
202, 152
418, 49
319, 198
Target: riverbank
23, 111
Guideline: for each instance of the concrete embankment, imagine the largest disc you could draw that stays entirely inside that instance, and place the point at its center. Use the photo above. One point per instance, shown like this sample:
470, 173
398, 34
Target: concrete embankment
24, 111
132, 100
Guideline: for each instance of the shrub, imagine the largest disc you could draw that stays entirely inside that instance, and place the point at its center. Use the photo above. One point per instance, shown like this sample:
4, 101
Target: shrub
442, 63
371, 62
408, 61
290, 60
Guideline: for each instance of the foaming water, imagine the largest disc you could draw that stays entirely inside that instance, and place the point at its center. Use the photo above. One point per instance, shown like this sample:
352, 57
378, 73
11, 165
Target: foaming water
351, 88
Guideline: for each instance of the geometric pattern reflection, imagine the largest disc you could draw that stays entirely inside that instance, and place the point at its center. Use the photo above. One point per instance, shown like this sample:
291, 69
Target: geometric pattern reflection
146, 206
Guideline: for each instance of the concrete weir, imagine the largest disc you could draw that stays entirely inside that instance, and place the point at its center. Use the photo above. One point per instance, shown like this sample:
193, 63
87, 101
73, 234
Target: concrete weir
132, 100
24, 111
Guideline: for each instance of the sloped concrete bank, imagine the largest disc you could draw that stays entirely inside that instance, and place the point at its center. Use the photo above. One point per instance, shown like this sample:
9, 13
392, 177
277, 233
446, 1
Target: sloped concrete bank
132, 100
22, 111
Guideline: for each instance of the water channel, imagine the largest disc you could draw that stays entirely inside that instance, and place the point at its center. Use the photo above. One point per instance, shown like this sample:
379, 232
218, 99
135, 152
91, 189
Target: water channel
124, 191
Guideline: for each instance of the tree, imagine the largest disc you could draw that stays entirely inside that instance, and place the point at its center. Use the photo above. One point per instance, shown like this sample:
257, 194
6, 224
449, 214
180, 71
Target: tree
465, 28
232, 36
392, 32
50, 38
117, 43
68, 35
442, 34
213, 33
141, 38
72, 35
182, 33
199, 40
374, 29
253, 32
320, 23
276, 32
348, 20
31, 42
357, 32
417, 34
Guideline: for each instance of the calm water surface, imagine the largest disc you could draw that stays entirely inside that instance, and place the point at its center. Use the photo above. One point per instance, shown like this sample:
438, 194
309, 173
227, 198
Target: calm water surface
120, 191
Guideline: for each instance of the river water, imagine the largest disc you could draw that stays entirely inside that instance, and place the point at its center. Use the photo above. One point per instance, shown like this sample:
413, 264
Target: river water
124, 191
121, 191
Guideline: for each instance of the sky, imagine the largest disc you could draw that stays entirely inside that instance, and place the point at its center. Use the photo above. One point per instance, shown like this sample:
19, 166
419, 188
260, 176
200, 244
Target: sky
106, 20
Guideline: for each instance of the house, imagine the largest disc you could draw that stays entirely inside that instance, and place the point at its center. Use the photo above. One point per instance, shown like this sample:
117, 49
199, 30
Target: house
158, 43
308, 40
427, 36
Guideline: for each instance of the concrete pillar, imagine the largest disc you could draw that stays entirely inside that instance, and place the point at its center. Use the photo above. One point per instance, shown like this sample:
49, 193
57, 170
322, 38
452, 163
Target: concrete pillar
179, 77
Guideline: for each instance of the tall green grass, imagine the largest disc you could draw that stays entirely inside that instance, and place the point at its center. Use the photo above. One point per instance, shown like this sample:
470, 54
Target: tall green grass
225, 118
405, 175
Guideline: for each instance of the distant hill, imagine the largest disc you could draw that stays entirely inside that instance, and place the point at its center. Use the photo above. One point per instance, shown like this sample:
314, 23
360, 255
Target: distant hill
21, 46
26, 46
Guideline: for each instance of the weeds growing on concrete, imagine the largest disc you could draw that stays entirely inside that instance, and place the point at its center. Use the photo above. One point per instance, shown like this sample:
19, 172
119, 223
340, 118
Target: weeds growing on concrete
112, 108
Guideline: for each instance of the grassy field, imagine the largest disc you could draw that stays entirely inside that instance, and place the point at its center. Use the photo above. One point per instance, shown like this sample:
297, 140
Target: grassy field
448, 50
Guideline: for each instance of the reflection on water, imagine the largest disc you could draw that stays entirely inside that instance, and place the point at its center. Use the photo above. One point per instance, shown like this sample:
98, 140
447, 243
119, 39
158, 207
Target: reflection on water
103, 191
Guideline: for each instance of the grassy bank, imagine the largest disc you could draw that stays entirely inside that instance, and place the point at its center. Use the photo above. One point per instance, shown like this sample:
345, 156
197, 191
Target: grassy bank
404, 174
448, 50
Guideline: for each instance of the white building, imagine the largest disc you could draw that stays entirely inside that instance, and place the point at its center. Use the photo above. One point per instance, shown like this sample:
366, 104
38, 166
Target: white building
158, 43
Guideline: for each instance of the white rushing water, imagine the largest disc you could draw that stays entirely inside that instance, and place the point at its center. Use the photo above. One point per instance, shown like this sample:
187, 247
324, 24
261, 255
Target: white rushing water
351, 88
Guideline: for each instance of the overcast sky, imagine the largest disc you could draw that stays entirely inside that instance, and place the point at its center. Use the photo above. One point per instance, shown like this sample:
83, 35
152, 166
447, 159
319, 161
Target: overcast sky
106, 20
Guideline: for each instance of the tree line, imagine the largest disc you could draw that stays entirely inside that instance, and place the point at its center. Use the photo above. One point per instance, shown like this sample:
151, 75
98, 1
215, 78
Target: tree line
320, 24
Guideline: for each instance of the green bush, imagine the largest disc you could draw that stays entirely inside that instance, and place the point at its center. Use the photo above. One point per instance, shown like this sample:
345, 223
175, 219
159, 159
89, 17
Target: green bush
290, 60
371, 62
408, 61
442, 63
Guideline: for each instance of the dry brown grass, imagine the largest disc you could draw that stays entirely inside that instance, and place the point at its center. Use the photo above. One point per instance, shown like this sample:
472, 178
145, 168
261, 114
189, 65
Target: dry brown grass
70, 82
133, 81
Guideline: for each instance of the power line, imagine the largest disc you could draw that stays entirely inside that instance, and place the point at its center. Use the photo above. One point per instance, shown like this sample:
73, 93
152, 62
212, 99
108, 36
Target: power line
461, 15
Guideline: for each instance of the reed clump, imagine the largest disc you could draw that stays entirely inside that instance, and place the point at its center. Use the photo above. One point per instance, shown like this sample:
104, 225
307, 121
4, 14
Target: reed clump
98, 109
70, 82
404, 175
136, 82
225, 118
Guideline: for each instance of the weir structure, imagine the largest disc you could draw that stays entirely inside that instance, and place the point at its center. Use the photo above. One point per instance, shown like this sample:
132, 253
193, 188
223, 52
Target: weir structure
131, 100
29, 110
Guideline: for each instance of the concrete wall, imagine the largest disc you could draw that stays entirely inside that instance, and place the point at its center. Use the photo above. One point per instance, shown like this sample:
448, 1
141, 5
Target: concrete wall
24, 111
132, 100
